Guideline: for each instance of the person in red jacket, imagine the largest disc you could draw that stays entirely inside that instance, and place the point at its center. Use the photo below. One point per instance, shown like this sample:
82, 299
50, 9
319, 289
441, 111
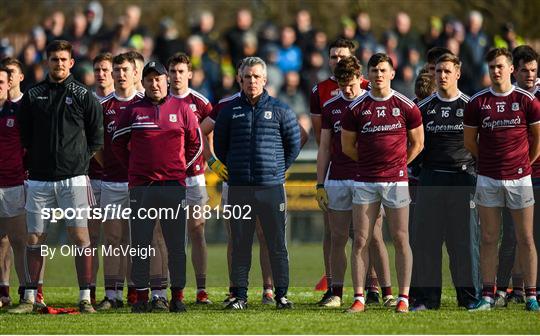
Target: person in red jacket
164, 141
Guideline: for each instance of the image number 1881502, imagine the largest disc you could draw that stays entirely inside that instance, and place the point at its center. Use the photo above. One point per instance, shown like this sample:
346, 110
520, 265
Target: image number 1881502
219, 212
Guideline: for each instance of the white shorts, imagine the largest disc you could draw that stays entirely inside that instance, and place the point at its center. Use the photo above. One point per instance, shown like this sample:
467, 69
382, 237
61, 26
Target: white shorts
72, 193
96, 189
514, 194
196, 193
340, 194
12, 201
114, 193
391, 194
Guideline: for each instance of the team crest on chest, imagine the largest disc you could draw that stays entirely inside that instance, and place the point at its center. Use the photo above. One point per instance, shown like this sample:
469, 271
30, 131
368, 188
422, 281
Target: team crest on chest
515, 106
459, 113
10, 122
173, 118
396, 112
193, 107
268, 115
334, 92
69, 100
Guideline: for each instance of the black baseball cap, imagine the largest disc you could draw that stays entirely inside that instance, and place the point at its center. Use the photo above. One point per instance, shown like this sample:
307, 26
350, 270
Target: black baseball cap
154, 66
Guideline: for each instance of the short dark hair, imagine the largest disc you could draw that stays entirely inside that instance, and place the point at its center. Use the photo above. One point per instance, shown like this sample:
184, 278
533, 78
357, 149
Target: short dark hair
136, 56
343, 43
449, 58
179, 58
124, 57
434, 53
348, 68
103, 57
379, 58
6, 70
496, 52
12, 61
524, 53
424, 85
59, 45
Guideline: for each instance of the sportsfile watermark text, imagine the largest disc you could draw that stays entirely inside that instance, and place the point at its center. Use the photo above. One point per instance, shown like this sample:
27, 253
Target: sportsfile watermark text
114, 211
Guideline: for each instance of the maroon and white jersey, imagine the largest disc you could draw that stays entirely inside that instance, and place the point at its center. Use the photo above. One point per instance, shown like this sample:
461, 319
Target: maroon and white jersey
202, 108
342, 167
222, 102
502, 120
536, 164
164, 140
95, 170
381, 125
12, 172
324, 91
113, 108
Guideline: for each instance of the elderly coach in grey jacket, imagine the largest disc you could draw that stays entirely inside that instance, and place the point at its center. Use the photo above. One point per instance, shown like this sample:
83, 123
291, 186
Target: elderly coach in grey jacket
258, 138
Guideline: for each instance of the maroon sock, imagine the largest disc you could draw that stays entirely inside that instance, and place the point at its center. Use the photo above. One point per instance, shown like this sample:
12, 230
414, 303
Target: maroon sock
39, 289
142, 295
358, 295
268, 286
34, 262
131, 295
488, 289
386, 291
530, 292
4, 291
337, 291
177, 293
83, 265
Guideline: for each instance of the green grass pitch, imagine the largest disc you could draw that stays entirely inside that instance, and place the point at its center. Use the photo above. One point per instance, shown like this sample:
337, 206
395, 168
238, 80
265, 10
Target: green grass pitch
306, 269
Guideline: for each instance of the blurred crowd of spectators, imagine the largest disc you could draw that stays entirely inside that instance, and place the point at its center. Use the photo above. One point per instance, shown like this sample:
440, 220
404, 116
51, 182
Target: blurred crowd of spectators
296, 54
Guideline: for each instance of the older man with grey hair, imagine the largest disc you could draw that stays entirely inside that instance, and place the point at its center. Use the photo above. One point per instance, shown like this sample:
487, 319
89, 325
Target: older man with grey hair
258, 138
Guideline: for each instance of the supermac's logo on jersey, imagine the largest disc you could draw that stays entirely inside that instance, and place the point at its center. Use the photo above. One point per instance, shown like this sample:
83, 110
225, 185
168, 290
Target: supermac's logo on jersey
396, 112
193, 107
10, 122
515, 106
173, 118
69, 100
268, 115
459, 113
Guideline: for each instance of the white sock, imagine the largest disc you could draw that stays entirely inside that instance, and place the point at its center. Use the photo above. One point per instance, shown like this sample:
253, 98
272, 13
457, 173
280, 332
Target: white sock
110, 294
360, 298
268, 291
501, 293
163, 293
404, 300
30, 295
84, 294
488, 299
119, 294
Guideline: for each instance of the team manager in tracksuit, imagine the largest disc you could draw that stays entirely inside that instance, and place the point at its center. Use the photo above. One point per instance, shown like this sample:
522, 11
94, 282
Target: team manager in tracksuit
258, 138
